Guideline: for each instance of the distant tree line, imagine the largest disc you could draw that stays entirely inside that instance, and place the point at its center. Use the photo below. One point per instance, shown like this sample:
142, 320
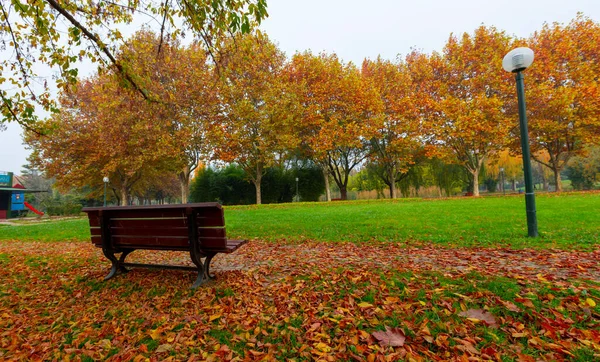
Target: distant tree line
448, 119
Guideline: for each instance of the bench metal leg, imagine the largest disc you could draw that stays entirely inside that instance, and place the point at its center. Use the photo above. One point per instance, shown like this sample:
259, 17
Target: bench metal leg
207, 265
124, 254
110, 255
203, 268
117, 265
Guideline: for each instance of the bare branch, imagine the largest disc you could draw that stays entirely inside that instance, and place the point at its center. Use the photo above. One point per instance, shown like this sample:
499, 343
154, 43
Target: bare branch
54, 4
162, 27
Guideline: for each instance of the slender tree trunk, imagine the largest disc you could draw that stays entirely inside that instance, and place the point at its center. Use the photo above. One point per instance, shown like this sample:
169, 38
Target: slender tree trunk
184, 183
257, 185
475, 174
327, 188
514, 184
392, 178
116, 195
557, 179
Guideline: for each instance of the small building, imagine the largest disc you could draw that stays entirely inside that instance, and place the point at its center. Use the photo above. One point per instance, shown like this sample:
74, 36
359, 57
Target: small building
12, 197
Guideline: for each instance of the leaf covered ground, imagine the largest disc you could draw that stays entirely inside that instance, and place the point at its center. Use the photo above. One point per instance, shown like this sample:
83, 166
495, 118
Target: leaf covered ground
302, 301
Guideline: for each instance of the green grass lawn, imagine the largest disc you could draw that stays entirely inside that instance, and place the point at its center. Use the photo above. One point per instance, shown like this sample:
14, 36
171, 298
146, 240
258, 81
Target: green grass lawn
565, 221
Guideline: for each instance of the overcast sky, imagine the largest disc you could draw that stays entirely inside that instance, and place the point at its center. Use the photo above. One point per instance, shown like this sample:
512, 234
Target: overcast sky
365, 29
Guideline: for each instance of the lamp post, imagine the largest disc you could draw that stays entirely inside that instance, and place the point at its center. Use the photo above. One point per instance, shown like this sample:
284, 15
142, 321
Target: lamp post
105, 179
516, 61
297, 196
502, 179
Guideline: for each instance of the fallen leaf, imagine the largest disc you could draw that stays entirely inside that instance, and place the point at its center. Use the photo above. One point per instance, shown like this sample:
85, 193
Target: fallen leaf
390, 337
480, 315
164, 348
315, 326
511, 306
323, 347
154, 334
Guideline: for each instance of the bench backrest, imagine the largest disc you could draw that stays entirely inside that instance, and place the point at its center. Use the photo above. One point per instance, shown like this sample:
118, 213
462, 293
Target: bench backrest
168, 227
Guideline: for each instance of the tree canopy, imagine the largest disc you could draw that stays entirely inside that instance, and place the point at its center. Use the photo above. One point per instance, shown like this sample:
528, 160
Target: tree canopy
46, 37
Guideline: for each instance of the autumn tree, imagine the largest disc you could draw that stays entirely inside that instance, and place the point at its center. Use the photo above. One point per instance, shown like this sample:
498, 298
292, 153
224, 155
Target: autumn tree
257, 109
337, 113
56, 35
102, 130
395, 146
563, 92
511, 165
464, 113
182, 79
584, 170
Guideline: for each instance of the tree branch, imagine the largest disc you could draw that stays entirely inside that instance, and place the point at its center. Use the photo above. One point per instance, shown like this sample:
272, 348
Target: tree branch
162, 27
56, 6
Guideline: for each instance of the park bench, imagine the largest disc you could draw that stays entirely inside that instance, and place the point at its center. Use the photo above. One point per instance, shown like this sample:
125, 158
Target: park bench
195, 228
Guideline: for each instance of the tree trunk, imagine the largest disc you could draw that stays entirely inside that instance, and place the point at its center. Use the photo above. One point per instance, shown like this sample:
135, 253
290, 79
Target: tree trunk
343, 193
327, 188
124, 195
393, 193
257, 185
475, 174
514, 184
557, 179
184, 183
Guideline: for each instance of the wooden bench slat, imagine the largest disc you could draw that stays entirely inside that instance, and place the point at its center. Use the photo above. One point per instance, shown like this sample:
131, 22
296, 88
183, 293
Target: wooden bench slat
211, 232
168, 241
149, 231
204, 221
232, 245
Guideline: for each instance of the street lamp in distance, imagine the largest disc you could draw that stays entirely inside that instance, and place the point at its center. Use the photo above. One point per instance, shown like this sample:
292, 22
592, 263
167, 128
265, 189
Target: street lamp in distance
516, 61
297, 196
502, 179
105, 180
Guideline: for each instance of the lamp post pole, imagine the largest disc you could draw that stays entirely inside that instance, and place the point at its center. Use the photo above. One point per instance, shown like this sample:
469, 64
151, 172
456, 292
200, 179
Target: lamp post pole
105, 179
532, 229
516, 61
502, 179
297, 196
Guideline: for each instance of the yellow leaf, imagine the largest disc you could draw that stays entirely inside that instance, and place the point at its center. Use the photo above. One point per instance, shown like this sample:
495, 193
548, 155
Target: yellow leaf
154, 334
323, 347
105, 343
365, 305
590, 302
215, 316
